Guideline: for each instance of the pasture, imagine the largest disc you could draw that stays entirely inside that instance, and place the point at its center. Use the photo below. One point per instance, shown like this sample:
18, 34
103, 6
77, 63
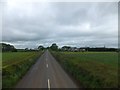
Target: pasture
0, 61
91, 69
15, 65
10, 58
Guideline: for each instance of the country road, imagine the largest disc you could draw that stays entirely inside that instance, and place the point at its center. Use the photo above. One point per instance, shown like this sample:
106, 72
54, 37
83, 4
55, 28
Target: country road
46, 73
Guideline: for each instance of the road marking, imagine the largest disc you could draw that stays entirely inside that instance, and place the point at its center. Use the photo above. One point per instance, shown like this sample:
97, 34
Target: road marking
48, 84
47, 65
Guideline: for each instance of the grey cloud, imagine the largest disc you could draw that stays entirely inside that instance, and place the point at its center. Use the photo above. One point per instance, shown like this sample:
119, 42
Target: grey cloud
66, 23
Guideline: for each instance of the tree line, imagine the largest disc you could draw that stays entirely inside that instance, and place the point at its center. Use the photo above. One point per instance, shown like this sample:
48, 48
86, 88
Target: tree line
7, 47
10, 48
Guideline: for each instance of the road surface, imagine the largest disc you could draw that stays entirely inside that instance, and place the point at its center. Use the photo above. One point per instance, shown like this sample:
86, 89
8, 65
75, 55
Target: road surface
46, 73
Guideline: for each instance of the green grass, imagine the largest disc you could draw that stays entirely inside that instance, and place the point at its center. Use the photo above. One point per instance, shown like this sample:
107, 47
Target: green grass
91, 69
15, 65
9, 58
0, 61
0, 70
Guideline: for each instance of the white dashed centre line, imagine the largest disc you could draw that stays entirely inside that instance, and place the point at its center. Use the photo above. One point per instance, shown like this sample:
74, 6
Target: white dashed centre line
47, 65
48, 84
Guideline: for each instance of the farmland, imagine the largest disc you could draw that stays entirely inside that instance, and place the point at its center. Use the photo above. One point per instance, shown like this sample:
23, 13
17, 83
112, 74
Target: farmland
91, 69
15, 65
0, 61
0, 69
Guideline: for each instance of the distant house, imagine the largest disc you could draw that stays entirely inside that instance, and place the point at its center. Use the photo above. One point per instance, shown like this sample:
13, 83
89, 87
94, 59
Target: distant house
74, 49
36, 49
66, 48
82, 49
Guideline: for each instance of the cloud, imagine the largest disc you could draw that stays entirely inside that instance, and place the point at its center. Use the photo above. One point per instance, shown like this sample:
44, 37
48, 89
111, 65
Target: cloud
66, 23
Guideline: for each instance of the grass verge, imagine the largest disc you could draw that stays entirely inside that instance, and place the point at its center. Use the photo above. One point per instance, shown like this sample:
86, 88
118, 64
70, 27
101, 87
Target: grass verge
15, 65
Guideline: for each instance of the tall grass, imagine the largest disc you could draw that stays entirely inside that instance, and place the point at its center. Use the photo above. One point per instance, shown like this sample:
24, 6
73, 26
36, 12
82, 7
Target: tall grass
91, 69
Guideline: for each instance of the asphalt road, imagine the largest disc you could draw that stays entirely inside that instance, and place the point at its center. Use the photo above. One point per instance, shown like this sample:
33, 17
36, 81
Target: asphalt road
46, 73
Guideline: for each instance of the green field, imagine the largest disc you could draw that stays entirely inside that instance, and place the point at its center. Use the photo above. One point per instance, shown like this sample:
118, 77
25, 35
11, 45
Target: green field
0, 61
91, 69
15, 65
10, 58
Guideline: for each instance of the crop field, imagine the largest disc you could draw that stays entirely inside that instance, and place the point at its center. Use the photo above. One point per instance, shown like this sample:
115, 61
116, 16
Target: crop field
15, 65
91, 69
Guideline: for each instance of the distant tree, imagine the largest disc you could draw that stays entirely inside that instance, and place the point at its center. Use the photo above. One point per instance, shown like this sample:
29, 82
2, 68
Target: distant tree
7, 47
48, 48
0, 47
59, 49
14, 50
26, 49
54, 47
40, 48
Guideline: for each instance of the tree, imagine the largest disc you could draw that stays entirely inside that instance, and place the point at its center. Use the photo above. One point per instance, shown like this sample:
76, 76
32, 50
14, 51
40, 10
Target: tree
26, 49
54, 47
48, 48
41, 47
14, 50
7, 47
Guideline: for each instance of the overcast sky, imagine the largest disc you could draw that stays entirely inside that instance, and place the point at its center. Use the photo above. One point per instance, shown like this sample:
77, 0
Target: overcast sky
65, 23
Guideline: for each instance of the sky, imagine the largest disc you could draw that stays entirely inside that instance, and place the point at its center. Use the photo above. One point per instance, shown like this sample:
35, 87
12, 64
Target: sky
76, 24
